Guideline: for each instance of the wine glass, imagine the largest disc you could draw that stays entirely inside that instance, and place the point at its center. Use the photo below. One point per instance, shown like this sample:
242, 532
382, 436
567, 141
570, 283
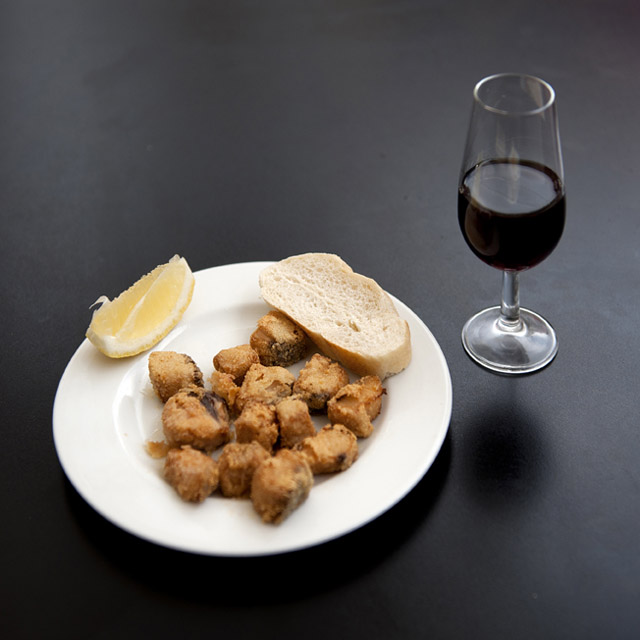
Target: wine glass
511, 210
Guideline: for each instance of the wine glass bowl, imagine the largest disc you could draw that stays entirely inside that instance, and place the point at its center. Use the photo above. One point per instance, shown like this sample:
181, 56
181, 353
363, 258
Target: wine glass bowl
511, 211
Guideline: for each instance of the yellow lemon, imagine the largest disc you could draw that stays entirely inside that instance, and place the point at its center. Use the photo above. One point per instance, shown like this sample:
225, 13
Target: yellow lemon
143, 314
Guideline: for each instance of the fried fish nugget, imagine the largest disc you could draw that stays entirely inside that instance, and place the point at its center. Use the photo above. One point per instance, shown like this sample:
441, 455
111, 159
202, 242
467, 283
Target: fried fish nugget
237, 464
236, 361
196, 417
295, 421
278, 340
258, 423
334, 448
222, 384
264, 384
193, 474
170, 371
319, 380
356, 405
370, 392
280, 485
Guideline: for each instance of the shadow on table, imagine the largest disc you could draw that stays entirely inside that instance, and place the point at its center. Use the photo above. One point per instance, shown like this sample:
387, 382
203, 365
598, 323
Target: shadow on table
505, 458
260, 580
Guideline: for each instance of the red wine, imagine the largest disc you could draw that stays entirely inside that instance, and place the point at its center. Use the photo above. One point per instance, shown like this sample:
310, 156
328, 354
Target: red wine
511, 213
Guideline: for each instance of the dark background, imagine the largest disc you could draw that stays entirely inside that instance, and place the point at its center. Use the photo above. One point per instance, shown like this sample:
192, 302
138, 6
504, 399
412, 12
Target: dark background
233, 131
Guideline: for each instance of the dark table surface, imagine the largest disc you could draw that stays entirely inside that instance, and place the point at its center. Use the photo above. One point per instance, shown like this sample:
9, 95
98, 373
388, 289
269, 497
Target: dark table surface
241, 131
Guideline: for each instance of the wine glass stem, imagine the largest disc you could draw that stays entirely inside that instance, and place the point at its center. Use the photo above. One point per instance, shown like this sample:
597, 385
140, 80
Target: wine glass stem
510, 306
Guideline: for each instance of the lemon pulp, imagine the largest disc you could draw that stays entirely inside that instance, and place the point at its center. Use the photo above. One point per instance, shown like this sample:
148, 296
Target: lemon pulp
143, 314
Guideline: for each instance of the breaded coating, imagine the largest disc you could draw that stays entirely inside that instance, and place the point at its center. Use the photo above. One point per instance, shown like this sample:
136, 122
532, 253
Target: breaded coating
237, 464
222, 384
264, 384
357, 405
258, 423
193, 474
295, 421
319, 380
280, 485
170, 371
196, 417
334, 448
236, 361
157, 449
278, 340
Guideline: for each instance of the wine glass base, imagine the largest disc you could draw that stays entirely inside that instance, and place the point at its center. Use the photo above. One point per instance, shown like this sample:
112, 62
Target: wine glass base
518, 348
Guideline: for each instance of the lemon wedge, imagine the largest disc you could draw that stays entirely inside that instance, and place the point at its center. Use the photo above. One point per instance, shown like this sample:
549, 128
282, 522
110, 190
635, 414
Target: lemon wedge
143, 314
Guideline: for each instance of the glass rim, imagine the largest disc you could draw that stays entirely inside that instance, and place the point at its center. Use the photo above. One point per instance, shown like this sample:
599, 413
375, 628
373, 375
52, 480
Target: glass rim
524, 112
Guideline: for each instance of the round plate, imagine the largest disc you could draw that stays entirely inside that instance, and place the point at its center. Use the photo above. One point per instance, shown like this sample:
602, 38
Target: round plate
105, 411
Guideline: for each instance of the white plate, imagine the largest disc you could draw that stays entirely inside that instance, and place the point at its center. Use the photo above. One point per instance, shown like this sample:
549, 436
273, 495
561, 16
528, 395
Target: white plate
105, 410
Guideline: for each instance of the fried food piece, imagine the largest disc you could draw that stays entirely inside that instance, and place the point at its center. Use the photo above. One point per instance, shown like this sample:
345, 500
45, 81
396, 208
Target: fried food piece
280, 485
237, 464
258, 423
170, 371
236, 361
193, 474
278, 340
264, 384
222, 384
357, 405
157, 449
196, 417
334, 448
320, 379
295, 421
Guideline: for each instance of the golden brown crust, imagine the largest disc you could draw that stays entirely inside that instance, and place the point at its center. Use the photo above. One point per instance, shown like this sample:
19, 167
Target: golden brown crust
278, 340
237, 464
264, 384
223, 385
320, 379
193, 474
157, 449
294, 420
356, 405
196, 417
258, 423
334, 448
280, 485
236, 361
170, 371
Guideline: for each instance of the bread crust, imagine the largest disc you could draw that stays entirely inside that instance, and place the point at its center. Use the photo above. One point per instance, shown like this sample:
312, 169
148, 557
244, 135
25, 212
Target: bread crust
348, 316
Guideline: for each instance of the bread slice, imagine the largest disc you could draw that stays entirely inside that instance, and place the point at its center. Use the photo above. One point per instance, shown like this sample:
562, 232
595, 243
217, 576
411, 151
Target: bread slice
347, 315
